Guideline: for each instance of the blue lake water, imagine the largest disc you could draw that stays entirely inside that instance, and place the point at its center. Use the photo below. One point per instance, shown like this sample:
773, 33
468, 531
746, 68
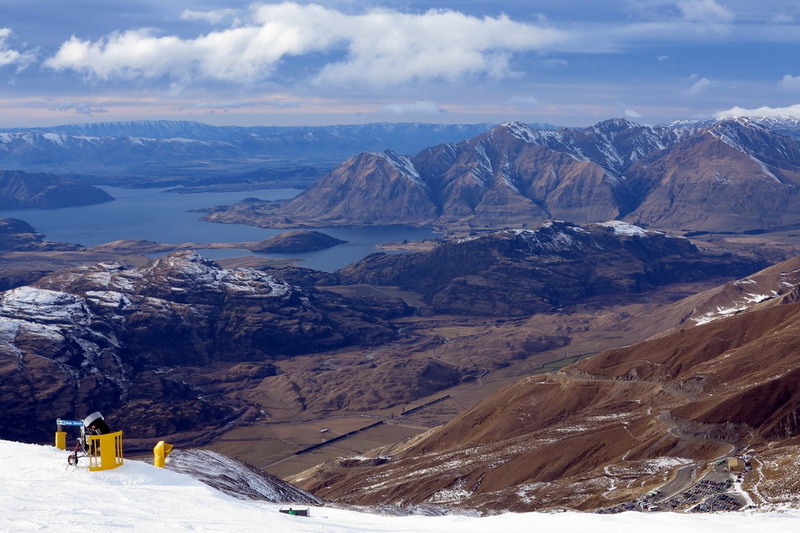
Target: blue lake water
155, 215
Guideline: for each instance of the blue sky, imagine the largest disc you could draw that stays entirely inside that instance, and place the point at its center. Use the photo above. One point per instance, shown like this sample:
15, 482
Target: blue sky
564, 62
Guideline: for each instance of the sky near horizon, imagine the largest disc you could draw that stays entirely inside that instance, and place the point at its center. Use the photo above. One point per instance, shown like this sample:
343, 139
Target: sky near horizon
563, 62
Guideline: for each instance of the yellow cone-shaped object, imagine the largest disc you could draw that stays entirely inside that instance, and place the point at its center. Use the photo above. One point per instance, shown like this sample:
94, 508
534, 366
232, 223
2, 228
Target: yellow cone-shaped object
160, 453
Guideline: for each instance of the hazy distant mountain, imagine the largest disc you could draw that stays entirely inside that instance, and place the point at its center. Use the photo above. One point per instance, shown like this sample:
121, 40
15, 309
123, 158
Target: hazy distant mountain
736, 174
785, 125
153, 150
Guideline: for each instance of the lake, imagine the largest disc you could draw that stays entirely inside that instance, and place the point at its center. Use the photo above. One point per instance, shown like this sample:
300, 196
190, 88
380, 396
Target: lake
159, 216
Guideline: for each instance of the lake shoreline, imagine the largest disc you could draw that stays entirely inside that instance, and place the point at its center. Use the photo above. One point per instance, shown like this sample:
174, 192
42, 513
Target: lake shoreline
158, 223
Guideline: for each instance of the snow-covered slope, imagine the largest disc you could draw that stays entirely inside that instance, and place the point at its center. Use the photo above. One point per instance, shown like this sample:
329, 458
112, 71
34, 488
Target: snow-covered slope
40, 493
235, 477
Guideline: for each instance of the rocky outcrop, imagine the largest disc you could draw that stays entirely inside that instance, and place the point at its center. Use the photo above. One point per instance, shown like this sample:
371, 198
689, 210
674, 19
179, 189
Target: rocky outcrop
19, 190
296, 242
557, 264
104, 337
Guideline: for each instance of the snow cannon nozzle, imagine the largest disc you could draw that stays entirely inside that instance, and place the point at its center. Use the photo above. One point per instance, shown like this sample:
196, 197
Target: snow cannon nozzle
95, 424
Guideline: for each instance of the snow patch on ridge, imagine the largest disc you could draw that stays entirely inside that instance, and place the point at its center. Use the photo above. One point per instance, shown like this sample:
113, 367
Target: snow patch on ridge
742, 304
520, 131
402, 164
43, 305
623, 228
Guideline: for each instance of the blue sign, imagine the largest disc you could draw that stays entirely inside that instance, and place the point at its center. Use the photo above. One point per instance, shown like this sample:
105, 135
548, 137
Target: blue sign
69, 422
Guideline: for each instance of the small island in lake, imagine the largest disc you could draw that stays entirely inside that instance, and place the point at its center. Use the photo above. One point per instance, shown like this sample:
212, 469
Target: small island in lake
296, 242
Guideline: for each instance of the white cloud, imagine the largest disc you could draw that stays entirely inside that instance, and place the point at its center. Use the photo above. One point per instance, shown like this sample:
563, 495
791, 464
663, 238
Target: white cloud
212, 17
630, 113
699, 87
764, 111
790, 83
9, 56
662, 58
705, 11
424, 107
381, 47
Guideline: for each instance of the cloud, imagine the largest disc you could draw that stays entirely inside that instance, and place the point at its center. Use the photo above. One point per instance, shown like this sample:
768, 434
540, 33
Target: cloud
699, 87
523, 101
662, 58
222, 105
81, 108
380, 47
240, 105
790, 83
764, 111
556, 62
9, 56
704, 11
424, 107
212, 17
630, 113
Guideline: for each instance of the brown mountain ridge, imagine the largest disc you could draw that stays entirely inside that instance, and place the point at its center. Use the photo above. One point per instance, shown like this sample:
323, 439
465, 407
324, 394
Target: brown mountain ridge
734, 175
544, 269
610, 428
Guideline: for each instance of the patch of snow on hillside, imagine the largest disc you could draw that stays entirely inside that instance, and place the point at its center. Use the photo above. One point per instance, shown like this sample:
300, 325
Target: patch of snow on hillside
764, 169
483, 171
109, 299
242, 280
454, 495
8, 334
743, 304
668, 462
520, 131
403, 165
42, 305
623, 228
54, 138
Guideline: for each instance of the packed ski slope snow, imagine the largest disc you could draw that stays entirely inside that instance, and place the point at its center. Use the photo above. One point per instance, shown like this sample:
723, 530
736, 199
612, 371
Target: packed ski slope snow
39, 492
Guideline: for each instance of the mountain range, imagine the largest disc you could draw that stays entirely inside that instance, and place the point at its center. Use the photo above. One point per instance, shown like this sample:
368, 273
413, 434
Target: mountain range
192, 153
179, 347
105, 336
544, 269
733, 175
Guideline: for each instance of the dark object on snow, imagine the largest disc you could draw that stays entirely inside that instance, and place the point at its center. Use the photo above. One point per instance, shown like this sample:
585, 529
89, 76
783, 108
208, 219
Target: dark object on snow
295, 512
